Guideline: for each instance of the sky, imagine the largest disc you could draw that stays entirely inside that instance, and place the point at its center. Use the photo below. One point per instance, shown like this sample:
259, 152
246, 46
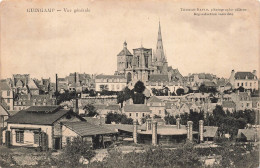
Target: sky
45, 43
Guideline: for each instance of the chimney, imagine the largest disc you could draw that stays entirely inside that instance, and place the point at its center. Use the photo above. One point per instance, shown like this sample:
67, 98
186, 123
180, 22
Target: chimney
254, 72
135, 132
189, 130
56, 83
75, 106
178, 123
148, 124
201, 130
154, 133
75, 77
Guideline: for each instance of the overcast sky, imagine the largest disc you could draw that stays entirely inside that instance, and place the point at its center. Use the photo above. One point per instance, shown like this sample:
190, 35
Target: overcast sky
43, 44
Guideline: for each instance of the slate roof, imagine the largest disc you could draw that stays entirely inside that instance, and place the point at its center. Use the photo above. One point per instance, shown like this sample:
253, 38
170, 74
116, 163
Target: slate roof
205, 76
159, 78
3, 111
4, 86
123, 127
136, 108
154, 99
210, 131
209, 83
228, 104
249, 134
243, 75
45, 109
38, 117
84, 128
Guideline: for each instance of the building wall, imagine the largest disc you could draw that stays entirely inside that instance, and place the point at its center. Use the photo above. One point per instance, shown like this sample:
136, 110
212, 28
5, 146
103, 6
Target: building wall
113, 86
137, 115
29, 135
8, 98
246, 83
158, 110
68, 134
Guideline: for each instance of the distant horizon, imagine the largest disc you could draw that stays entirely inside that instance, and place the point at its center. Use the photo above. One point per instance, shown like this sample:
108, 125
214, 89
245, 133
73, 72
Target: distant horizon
43, 44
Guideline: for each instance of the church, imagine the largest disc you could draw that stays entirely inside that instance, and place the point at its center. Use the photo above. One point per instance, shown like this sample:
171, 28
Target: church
146, 65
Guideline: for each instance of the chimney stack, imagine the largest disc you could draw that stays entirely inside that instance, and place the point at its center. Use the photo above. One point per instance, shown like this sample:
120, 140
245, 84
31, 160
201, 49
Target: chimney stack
190, 131
201, 130
178, 123
254, 72
135, 132
154, 133
56, 83
148, 124
75, 77
75, 106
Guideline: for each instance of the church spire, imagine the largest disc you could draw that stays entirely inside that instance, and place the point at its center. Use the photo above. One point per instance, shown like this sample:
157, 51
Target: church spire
159, 47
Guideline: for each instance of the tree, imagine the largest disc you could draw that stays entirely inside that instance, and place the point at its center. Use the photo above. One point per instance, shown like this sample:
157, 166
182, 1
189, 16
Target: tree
169, 119
118, 118
139, 87
66, 96
90, 110
124, 95
203, 88
180, 91
138, 98
74, 150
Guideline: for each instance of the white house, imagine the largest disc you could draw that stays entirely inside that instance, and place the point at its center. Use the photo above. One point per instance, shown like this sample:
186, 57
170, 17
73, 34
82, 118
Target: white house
110, 82
247, 80
38, 126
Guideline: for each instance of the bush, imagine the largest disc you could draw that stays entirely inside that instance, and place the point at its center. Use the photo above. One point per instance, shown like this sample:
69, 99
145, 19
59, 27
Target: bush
73, 151
184, 156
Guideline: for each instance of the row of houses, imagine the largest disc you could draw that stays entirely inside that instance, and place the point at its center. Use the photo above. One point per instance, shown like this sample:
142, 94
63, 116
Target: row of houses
51, 127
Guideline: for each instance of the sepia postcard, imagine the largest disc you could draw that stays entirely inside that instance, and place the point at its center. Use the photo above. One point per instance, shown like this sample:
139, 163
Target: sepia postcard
131, 83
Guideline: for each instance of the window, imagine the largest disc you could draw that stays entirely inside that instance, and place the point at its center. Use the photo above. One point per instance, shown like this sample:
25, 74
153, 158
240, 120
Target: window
247, 104
136, 114
246, 84
242, 84
8, 93
67, 140
159, 111
8, 100
143, 114
19, 136
237, 84
36, 137
130, 114
250, 84
138, 61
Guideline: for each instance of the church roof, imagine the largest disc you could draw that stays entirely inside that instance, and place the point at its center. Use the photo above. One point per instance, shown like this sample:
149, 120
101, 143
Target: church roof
124, 52
32, 85
159, 78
